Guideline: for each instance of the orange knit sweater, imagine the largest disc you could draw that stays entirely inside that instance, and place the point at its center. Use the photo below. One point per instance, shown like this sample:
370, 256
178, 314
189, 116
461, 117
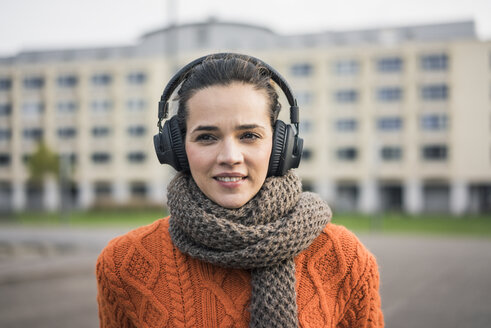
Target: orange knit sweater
145, 281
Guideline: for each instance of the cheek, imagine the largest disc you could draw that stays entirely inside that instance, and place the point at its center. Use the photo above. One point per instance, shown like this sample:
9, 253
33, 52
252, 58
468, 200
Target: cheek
196, 157
261, 157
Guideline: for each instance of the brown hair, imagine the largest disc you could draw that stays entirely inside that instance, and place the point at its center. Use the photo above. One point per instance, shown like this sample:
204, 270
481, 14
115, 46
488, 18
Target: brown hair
224, 71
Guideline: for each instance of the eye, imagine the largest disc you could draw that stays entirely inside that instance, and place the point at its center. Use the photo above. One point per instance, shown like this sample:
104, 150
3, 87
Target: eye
205, 138
250, 136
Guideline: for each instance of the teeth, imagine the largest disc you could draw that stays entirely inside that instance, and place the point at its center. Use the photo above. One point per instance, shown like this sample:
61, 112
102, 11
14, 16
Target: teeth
229, 179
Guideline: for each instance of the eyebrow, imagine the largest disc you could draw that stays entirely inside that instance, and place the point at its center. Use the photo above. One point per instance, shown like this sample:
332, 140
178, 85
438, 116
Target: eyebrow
205, 128
214, 128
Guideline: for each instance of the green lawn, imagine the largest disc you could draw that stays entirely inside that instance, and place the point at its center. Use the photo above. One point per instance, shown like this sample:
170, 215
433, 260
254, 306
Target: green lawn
472, 225
127, 217
384, 223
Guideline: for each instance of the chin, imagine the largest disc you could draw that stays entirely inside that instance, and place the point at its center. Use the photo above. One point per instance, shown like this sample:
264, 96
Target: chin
231, 203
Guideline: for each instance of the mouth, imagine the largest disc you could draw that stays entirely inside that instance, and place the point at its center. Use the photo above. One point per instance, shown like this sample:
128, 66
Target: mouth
230, 179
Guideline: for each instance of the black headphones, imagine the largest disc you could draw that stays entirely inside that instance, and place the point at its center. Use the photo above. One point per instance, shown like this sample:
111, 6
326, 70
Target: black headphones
287, 145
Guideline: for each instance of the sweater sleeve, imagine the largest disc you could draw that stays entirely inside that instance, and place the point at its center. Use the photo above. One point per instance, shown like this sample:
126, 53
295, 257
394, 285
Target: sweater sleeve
110, 294
364, 306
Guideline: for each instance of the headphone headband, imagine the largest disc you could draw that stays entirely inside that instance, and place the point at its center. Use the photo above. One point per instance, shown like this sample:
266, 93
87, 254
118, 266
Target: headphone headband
176, 80
286, 150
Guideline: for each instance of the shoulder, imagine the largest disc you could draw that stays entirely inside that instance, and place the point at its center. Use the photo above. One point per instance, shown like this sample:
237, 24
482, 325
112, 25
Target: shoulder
350, 245
128, 260
342, 240
148, 237
338, 254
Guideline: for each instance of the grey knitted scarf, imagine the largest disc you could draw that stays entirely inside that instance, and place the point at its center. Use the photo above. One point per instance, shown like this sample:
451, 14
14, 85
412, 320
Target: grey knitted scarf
262, 236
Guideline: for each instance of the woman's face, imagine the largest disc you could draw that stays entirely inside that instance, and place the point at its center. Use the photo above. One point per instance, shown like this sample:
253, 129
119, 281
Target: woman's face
228, 142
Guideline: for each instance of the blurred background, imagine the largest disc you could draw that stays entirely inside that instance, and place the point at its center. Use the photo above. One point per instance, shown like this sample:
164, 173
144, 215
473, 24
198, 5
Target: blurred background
395, 110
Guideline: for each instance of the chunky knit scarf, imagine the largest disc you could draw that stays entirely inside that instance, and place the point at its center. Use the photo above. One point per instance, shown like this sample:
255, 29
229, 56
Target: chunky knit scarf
262, 236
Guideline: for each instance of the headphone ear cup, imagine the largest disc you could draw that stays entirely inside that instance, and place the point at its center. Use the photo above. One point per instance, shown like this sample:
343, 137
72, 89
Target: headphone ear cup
277, 151
177, 144
287, 149
169, 146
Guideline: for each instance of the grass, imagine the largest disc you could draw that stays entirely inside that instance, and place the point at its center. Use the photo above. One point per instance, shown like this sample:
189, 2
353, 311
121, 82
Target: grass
471, 225
390, 223
93, 218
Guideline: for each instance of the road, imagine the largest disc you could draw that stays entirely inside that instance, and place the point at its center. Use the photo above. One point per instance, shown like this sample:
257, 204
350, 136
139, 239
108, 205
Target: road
47, 278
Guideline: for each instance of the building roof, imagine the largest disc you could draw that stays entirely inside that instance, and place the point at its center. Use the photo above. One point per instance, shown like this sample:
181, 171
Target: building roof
205, 24
213, 34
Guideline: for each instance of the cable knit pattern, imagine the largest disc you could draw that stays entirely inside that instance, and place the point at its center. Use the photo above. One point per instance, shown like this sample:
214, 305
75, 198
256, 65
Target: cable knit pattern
263, 235
145, 281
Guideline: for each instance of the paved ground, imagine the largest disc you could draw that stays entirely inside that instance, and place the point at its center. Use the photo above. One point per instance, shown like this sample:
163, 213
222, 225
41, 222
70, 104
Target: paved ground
47, 280
434, 282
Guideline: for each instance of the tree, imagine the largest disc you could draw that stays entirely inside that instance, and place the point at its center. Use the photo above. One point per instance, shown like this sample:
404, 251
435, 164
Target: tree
42, 163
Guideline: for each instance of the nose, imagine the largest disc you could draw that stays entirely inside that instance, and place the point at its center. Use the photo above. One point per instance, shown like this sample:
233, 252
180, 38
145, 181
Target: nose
229, 153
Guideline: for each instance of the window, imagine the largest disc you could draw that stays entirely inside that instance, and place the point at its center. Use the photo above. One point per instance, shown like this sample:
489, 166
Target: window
306, 154
101, 158
67, 132
389, 123
66, 107
5, 134
101, 106
101, 131
32, 108
347, 196
346, 67
135, 104
304, 98
69, 158
301, 69
6, 195
102, 189
434, 62
346, 96
136, 130
346, 125
67, 81
136, 157
434, 92
434, 122
435, 152
33, 82
5, 84
138, 189
305, 126
389, 94
436, 197
389, 65
391, 153
5, 109
347, 154
4, 159
26, 158
102, 79
35, 134
136, 78
307, 186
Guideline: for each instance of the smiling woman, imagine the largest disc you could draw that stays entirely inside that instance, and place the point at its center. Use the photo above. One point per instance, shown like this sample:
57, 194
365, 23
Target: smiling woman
243, 245
229, 154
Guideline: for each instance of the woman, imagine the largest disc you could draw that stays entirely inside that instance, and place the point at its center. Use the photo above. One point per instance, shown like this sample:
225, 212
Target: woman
243, 245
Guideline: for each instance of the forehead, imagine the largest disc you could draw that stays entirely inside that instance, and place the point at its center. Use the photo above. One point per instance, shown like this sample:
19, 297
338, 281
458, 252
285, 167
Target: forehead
234, 103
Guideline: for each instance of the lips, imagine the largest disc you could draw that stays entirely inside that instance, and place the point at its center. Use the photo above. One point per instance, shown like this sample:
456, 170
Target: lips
232, 177
229, 179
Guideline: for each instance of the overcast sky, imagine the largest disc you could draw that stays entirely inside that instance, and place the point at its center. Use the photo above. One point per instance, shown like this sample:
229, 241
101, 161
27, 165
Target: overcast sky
47, 24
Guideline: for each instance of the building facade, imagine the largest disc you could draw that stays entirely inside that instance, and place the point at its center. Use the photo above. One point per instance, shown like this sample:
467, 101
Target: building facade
393, 119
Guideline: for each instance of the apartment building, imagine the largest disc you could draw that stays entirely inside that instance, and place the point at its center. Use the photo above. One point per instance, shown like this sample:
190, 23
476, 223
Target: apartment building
393, 118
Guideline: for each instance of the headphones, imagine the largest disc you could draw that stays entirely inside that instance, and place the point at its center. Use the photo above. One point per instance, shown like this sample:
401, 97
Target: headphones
287, 145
